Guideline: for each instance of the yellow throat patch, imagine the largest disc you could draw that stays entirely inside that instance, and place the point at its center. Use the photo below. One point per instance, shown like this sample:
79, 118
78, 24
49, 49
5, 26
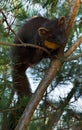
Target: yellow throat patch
51, 45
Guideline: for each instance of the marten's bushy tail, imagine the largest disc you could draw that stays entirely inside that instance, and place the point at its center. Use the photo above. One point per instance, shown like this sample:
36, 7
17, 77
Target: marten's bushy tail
20, 81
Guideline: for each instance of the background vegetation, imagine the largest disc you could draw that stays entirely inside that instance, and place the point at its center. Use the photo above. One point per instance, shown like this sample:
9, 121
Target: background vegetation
64, 94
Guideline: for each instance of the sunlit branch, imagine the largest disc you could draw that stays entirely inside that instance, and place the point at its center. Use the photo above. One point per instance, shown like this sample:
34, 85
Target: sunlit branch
73, 11
73, 57
73, 48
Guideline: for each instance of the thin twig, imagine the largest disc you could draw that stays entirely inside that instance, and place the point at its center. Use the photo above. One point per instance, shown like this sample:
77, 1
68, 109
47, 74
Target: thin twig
73, 57
22, 44
71, 50
5, 19
25, 45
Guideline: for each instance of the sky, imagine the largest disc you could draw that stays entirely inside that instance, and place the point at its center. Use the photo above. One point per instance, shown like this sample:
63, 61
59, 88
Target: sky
59, 92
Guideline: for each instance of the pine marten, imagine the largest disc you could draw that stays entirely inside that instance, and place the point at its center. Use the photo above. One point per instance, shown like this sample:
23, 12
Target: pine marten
50, 34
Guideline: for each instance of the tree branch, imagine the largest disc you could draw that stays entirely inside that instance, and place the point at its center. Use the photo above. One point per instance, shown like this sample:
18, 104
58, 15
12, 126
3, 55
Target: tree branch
25, 118
73, 57
5, 19
49, 76
22, 44
25, 45
54, 117
73, 11
72, 49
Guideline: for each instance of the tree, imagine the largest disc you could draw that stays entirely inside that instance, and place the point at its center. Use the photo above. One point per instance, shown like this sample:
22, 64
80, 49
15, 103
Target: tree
50, 111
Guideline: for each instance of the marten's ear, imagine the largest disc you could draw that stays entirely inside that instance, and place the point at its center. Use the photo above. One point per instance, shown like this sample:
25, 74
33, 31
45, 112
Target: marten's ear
42, 31
62, 21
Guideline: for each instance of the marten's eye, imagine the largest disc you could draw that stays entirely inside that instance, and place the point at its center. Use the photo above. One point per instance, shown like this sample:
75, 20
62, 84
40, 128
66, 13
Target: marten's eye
51, 36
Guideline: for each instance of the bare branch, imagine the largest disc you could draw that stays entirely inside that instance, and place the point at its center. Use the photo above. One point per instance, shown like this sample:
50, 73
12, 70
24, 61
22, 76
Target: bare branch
73, 11
70, 51
54, 117
5, 19
25, 45
25, 118
73, 57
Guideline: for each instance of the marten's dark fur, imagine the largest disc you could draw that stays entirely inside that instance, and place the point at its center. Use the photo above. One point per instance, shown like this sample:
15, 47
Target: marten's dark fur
40, 31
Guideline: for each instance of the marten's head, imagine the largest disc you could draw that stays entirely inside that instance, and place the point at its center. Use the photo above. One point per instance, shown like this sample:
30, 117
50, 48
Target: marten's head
53, 33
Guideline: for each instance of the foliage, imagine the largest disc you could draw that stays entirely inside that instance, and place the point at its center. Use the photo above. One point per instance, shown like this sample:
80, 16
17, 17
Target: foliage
16, 13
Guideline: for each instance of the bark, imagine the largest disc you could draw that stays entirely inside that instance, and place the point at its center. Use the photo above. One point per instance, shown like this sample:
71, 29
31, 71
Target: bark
72, 49
50, 74
54, 118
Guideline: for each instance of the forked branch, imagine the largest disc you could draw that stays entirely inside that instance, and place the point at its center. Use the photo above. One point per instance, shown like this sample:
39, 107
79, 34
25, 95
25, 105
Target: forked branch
49, 75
